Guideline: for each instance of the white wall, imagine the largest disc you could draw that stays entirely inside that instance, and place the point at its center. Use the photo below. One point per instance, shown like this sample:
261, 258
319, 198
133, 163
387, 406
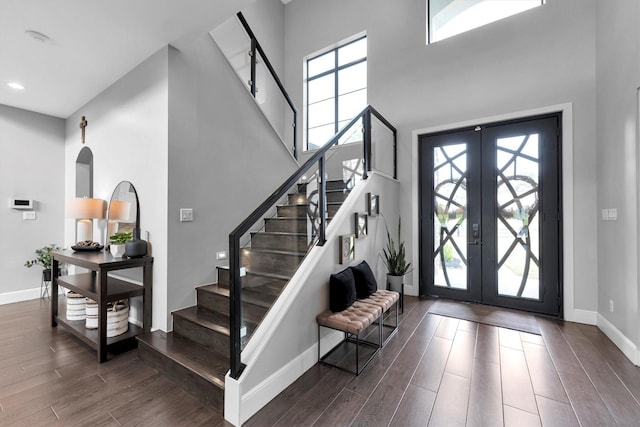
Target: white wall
543, 57
224, 160
31, 167
285, 344
618, 80
128, 134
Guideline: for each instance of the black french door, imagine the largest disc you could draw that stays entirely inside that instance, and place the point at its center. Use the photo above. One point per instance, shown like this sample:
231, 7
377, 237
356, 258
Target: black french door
490, 227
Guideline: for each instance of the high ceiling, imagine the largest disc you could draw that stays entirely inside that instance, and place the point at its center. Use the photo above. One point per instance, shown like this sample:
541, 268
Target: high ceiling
91, 44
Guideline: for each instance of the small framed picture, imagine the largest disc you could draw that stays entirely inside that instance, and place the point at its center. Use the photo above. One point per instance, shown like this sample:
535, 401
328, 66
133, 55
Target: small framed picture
361, 224
347, 248
373, 204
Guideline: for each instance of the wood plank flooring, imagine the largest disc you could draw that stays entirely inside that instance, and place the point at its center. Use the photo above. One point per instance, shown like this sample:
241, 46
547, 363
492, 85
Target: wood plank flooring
436, 371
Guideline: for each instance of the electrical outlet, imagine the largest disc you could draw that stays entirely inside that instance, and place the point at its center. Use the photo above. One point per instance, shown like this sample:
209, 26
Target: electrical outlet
29, 215
186, 215
610, 306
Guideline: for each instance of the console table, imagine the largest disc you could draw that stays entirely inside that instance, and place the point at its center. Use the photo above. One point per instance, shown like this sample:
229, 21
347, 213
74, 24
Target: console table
97, 285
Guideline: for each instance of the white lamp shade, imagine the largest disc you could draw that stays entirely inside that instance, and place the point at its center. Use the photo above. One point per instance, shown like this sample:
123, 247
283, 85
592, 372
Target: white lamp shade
85, 208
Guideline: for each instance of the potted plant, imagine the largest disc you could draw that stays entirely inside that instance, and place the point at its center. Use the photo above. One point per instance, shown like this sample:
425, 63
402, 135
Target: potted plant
43, 258
395, 260
117, 242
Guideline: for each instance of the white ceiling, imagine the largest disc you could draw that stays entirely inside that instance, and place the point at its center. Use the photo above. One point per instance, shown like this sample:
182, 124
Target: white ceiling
92, 44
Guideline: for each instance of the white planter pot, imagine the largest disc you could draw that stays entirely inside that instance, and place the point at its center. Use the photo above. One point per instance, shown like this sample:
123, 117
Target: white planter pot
117, 250
394, 283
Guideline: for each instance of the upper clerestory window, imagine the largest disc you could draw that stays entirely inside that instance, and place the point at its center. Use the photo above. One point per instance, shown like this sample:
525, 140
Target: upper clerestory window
446, 18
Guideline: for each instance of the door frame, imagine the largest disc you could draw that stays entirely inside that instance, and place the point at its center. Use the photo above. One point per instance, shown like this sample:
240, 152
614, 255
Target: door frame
568, 276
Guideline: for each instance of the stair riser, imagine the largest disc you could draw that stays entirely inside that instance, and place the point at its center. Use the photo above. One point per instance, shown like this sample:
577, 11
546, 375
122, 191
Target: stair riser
279, 242
336, 196
302, 211
213, 302
297, 199
208, 393
286, 226
250, 280
220, 303
331, 185
270, 263
298, 211
200, 334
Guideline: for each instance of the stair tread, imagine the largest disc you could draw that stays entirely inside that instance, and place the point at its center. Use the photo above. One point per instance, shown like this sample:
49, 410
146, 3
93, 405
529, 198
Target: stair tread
262, 296
275, 251
280, 233
264, 274
195, 357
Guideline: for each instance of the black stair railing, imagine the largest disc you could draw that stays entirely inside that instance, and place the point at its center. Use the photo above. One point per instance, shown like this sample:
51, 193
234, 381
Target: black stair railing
319, 158
255, 47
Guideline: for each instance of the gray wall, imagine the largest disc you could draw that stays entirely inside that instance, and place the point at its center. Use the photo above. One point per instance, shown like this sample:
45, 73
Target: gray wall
539, 58
224, 160
31, 166
618, 79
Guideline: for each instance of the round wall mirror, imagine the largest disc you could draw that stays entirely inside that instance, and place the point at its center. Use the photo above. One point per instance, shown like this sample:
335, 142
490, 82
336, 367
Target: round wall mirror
124, 216
123, 210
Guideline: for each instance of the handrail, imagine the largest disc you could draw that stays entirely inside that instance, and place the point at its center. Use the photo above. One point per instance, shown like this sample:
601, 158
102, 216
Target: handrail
235, 293
255, 46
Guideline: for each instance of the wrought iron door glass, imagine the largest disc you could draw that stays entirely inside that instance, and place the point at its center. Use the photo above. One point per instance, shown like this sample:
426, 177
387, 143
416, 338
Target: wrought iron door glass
450, 216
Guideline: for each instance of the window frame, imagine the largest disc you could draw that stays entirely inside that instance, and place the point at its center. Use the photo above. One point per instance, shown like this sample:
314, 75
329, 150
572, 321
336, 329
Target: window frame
429, 25
335, 70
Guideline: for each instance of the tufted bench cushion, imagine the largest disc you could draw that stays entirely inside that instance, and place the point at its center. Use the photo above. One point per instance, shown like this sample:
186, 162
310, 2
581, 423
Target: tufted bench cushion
352, 320
382, 298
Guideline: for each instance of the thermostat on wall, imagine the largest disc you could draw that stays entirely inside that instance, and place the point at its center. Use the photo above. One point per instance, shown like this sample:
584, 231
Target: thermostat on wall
21, 203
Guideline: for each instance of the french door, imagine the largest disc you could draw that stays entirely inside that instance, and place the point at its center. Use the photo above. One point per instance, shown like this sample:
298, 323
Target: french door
490, 227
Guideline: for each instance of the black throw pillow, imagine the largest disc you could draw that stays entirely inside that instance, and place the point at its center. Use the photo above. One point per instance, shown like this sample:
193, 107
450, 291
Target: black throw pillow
342, 290
365, 280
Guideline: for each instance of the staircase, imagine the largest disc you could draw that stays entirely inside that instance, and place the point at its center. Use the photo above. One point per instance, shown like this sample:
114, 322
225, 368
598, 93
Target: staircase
196, 353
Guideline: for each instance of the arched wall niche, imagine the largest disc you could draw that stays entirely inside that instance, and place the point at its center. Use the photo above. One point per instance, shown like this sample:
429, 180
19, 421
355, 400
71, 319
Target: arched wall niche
84, 173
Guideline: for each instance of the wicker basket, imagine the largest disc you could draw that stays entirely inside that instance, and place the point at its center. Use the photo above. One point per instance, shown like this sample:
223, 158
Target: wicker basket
92, 314
75, 306
117, 318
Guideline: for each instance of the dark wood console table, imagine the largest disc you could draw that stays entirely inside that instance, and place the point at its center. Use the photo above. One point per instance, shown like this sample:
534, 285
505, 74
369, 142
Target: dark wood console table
103, 289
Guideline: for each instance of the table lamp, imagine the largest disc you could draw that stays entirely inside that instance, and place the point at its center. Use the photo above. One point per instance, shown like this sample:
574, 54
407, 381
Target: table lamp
84, 209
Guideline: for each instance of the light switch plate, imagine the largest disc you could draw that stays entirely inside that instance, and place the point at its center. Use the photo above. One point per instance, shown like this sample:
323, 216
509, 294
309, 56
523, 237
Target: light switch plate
186, 215
29, 215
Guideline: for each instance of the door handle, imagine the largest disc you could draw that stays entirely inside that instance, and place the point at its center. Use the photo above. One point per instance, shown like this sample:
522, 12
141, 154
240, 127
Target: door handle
474, 242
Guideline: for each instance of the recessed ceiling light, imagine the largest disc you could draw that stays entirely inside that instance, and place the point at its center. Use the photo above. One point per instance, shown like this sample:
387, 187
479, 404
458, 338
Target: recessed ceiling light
15, 85
42, 38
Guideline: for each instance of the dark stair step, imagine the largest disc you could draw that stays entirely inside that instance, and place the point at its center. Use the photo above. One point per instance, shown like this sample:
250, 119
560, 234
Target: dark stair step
271, 261
194, 367
216, 297
298, 242
299, 211
331, 185
251, 280
211, 329
287, 225
293, 211
297, 199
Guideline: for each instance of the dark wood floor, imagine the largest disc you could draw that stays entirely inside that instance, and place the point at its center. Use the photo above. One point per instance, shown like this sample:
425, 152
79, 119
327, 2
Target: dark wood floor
435, 371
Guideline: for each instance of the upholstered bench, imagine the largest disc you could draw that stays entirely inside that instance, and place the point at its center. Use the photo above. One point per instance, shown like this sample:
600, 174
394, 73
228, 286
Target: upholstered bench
353, 316
385, 300
352, 321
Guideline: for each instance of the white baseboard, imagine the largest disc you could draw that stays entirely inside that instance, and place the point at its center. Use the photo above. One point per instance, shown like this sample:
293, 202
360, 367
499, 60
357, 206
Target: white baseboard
237, 412
581, 316
625, 345
19, 296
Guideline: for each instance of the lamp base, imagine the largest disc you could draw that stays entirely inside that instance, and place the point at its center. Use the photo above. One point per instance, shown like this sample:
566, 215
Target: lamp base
135, 248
